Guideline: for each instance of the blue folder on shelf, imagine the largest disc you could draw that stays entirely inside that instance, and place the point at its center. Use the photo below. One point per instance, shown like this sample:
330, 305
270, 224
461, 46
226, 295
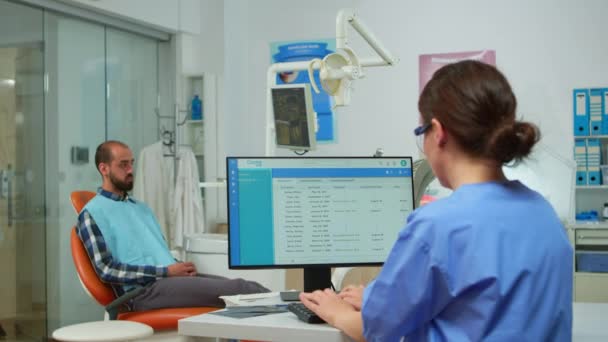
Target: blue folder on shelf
593, 162
580, 104
604, 111
580, 157
595, 110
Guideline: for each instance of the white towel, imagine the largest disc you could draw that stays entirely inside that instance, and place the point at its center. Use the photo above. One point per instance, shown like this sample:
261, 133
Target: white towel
154, 184
188, 204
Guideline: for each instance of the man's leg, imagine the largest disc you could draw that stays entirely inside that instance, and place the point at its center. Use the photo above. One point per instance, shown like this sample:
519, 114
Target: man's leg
202, 290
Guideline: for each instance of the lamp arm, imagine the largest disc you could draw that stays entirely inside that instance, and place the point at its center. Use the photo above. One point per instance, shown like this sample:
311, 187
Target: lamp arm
372, 62
343, 18
349, 16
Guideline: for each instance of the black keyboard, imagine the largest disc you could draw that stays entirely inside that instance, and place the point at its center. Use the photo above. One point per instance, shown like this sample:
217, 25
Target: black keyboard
304, 313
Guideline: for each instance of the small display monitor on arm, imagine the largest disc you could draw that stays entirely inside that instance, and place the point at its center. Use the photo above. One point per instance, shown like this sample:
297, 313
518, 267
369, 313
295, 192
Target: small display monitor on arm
294, 117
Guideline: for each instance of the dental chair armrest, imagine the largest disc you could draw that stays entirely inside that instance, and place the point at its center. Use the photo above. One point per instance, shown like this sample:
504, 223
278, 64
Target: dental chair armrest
113, 308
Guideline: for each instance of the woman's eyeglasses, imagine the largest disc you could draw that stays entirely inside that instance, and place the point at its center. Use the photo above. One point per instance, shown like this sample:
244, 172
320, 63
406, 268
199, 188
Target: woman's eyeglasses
421, 129
419, 133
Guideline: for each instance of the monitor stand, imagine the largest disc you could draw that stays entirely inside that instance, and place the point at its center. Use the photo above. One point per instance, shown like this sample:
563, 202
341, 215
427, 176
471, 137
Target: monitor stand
317, 278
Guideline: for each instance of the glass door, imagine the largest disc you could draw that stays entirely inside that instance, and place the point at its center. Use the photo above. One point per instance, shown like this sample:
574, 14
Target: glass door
75, 119
22, 174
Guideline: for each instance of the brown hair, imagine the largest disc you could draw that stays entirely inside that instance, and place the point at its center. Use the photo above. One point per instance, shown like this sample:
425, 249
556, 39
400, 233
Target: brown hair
475, 104
103, 154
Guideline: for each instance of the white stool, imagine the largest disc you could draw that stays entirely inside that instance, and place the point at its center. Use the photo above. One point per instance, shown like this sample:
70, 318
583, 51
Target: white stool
103, 331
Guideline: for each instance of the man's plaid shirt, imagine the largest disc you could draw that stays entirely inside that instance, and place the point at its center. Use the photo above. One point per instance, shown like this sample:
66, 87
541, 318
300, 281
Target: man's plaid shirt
119, 275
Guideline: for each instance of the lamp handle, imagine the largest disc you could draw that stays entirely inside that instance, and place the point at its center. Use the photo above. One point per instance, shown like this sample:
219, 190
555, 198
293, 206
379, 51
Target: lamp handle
311, 73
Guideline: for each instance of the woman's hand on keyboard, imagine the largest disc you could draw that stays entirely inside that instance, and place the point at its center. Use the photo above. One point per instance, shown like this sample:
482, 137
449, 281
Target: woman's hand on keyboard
353, 295
326, 304
335, 311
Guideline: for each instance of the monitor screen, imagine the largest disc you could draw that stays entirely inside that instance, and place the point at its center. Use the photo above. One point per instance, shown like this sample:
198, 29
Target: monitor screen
294, 118
315, 213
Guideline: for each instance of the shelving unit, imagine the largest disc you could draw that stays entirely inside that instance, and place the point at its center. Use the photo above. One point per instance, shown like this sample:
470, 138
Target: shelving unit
590, 237
591, 187
203, 136
591, 137
194, 130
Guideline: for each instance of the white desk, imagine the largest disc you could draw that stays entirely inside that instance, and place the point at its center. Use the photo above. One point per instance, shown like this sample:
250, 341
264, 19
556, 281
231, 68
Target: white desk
275, 327
590, 322
590, 325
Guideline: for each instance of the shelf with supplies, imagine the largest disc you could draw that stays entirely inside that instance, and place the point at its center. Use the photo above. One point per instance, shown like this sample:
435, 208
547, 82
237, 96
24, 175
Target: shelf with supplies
195, 136
590, 136
592, 187
601, 137
589, 225
194, 127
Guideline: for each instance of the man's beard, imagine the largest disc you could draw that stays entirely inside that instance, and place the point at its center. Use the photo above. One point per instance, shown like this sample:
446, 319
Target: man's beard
126, 185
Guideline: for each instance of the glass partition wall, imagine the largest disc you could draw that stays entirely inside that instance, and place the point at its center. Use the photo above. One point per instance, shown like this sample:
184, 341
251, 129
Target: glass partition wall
76, 116
131, 64
22, 173
102, 84
65, 84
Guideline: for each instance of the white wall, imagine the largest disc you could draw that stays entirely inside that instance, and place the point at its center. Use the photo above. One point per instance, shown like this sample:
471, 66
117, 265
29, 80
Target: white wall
204, 52
545, 48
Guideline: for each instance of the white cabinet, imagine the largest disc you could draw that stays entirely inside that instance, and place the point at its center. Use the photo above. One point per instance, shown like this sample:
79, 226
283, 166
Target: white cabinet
590, 240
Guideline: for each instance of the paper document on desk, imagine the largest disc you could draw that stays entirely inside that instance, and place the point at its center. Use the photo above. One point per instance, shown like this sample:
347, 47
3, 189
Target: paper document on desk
254, 299
250, 311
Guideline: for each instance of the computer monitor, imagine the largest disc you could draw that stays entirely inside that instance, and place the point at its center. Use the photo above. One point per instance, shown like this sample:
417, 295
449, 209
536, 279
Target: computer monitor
294, 117
315, 213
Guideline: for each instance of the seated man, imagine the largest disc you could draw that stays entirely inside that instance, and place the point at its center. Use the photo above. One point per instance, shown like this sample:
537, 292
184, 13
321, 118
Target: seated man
124, 240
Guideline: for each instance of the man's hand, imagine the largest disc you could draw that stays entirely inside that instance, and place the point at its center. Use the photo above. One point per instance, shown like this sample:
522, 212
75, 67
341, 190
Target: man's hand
181, 269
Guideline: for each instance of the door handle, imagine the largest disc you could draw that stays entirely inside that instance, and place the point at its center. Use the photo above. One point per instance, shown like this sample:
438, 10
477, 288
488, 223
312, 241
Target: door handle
9, 200
6, 192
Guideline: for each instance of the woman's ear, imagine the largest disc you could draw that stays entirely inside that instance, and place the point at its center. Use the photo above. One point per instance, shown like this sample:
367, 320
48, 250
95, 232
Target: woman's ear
440, 135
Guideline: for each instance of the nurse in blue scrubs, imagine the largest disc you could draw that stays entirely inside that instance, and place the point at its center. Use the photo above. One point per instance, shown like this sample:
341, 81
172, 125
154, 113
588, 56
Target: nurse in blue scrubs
490, 262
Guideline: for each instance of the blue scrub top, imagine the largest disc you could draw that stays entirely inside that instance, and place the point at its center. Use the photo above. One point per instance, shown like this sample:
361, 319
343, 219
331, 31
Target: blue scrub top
490, 262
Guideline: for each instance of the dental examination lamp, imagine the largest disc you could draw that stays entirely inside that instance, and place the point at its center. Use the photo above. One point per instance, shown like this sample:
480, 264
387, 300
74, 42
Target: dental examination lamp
337, 70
